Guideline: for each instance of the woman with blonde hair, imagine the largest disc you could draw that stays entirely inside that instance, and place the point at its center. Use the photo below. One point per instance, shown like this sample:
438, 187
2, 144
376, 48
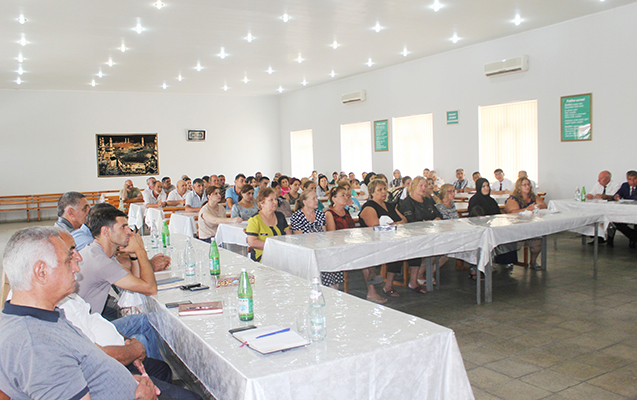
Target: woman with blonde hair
268, 222
446, 206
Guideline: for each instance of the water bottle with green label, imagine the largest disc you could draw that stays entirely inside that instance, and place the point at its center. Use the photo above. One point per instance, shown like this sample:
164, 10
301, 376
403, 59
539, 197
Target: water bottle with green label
213, 257
583, 193
165, 235
246, 312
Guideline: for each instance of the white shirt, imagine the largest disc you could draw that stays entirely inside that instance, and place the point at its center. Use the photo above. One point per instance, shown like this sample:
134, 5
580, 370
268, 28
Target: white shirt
471, 184
94, 326
194, 200
175, 196
149, 197
611, 188
506, 185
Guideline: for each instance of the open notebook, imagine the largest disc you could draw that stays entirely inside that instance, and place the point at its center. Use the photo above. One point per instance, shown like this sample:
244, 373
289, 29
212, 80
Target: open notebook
271, 343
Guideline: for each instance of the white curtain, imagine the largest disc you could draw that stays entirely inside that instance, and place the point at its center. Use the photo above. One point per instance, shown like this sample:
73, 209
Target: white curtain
508, 139
413, 144
356, 148
302, 154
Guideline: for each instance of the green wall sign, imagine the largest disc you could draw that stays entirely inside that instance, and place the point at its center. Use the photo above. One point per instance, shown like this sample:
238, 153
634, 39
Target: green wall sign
577, 117
381, 135
452, 117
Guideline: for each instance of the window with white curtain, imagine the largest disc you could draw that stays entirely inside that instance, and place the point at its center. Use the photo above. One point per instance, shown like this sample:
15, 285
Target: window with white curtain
301, 153
356, 148
413, 144
508, 139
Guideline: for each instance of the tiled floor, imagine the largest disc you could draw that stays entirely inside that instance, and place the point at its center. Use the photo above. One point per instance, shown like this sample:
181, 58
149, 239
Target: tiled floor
547, 335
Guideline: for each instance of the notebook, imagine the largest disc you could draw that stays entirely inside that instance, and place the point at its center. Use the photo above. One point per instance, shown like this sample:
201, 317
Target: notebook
209, 307
271, 343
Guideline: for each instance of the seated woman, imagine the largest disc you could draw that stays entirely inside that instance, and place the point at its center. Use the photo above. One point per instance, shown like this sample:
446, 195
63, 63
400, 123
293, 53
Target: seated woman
322, 189
446, 206
268, 222
284, 181
419, 206
212, 214
524, 199
365, 185
337, 217
372, 210
247, 207
293, 195
354, 203
309, 219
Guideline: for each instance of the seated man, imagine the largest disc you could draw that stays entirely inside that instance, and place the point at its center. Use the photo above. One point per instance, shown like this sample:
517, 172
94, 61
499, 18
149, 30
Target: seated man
155, 198
628, 191
471, 186
461, 183
72, 211
62, 363
605, 188
264, 181
502, 185
177, 196
150, 183
100, 268
214, 180
232, 194
196, 197
206, 181
129, 194
222, 185
167, 185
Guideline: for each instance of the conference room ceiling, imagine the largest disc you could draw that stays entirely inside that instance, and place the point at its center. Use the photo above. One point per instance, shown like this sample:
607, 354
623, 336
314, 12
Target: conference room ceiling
68, 42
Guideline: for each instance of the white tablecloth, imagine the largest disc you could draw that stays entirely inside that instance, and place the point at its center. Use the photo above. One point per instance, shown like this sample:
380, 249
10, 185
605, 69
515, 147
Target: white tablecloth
613, 212
136, 212
499, 198
154, 216
371, 352
232, 233
183, 224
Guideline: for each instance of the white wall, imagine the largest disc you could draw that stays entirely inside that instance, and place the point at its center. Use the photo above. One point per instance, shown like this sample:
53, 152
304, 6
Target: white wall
593, 54
48, 138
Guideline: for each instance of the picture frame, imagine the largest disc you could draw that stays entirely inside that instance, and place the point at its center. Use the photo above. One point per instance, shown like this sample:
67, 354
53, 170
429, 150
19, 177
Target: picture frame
127, 154
196, 135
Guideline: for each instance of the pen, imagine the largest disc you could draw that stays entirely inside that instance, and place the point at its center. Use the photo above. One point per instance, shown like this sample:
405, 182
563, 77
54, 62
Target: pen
273, 333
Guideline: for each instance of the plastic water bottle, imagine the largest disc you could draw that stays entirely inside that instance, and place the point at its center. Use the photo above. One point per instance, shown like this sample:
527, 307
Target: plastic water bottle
213, 259
578, 194
154, 236
316, 312
244, 294
165, 235
189, 258
583, 193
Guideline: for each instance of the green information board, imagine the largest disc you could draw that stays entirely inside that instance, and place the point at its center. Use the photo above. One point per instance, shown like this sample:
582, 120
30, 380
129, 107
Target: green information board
577, 117
452, 117
381, 135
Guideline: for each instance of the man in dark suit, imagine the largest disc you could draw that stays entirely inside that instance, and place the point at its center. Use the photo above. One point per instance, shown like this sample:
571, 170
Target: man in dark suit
628, 190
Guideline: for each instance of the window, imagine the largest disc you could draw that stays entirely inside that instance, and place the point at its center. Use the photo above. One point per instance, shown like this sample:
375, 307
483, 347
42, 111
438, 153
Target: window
508, 139
356, 148
413, 144
302, 154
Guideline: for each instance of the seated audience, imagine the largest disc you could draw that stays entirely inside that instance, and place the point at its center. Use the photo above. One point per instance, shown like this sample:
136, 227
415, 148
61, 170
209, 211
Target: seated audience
212, 214
258, 176
438, 181
167, 185
446, 206
364, 190
129, 194
214, 180
502, 185
73, 208
223, 186
353, 181
232, 193
482, 203
605, 188
177, 196
156, 198
264, 181
293, 194
522, 174
426, 173
461, 183
284, 182
322, 188
268, 222
150, 186
277, 176
335, 179
471, 186
628, 191
247, 207
196, 197
188, 184
283, 206
314, 177
206, 181
373, 209
397, 181
251, 180
523, 198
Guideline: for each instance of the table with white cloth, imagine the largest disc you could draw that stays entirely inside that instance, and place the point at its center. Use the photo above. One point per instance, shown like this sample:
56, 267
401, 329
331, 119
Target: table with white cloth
499, 198
613, 211
233, 233
371, 352
136, 213
183, 223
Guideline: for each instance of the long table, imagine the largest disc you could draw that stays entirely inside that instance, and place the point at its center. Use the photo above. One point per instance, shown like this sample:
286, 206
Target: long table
613, 211
371, 351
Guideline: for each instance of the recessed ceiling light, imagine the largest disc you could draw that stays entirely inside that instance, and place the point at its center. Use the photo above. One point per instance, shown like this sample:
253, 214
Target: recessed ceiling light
159, 5
369, 62
93, 83
517, 20
138, 28
280, 89
20, 70
332, 74
304, 83
180, 78
377, 27
122, 47
23, 40
299, 59
269, 70
225, 88
21, 19
100, 74
405, 53
245, 79
164, 86
335, 45
110, 62
18, 81
198, 67
436, 5
20, 58
249, 38
222, 54
285, 18
455, 38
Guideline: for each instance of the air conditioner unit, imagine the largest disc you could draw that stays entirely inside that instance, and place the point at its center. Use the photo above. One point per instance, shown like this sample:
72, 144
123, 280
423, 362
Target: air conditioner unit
354, 97
516, 64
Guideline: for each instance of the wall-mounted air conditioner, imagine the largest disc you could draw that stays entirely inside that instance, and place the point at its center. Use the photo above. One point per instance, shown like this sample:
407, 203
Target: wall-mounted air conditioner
517, 64
354, 97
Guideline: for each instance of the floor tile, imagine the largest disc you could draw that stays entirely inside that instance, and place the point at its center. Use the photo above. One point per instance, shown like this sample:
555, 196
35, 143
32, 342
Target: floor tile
485, 378
587, 391
550, 380
518, 390
513, 367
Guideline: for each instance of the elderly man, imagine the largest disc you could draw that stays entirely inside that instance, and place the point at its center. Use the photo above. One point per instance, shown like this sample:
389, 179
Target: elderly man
196, 197
129, 194
605, 188
167, 185
461, 183
628, 191
72, 211
156, 198
502, 185
232, 194
150, 183
177, 196
214, 180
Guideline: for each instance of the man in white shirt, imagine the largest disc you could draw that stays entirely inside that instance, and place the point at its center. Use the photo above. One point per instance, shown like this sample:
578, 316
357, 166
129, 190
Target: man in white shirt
150, 182
461, 183
196, 197
502, 185
176, 197
471, 186
167, 185
155, 198
605, 188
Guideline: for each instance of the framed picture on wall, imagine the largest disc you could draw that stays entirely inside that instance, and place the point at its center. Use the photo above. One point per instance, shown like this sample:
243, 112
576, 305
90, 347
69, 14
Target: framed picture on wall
196, 135
577, 117
381, 135
127, 154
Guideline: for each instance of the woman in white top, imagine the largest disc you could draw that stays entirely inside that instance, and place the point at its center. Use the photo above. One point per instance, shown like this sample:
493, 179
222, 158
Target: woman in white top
212, 214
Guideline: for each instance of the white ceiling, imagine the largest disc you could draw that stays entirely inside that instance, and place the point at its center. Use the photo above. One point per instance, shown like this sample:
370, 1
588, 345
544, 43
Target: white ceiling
69, 41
